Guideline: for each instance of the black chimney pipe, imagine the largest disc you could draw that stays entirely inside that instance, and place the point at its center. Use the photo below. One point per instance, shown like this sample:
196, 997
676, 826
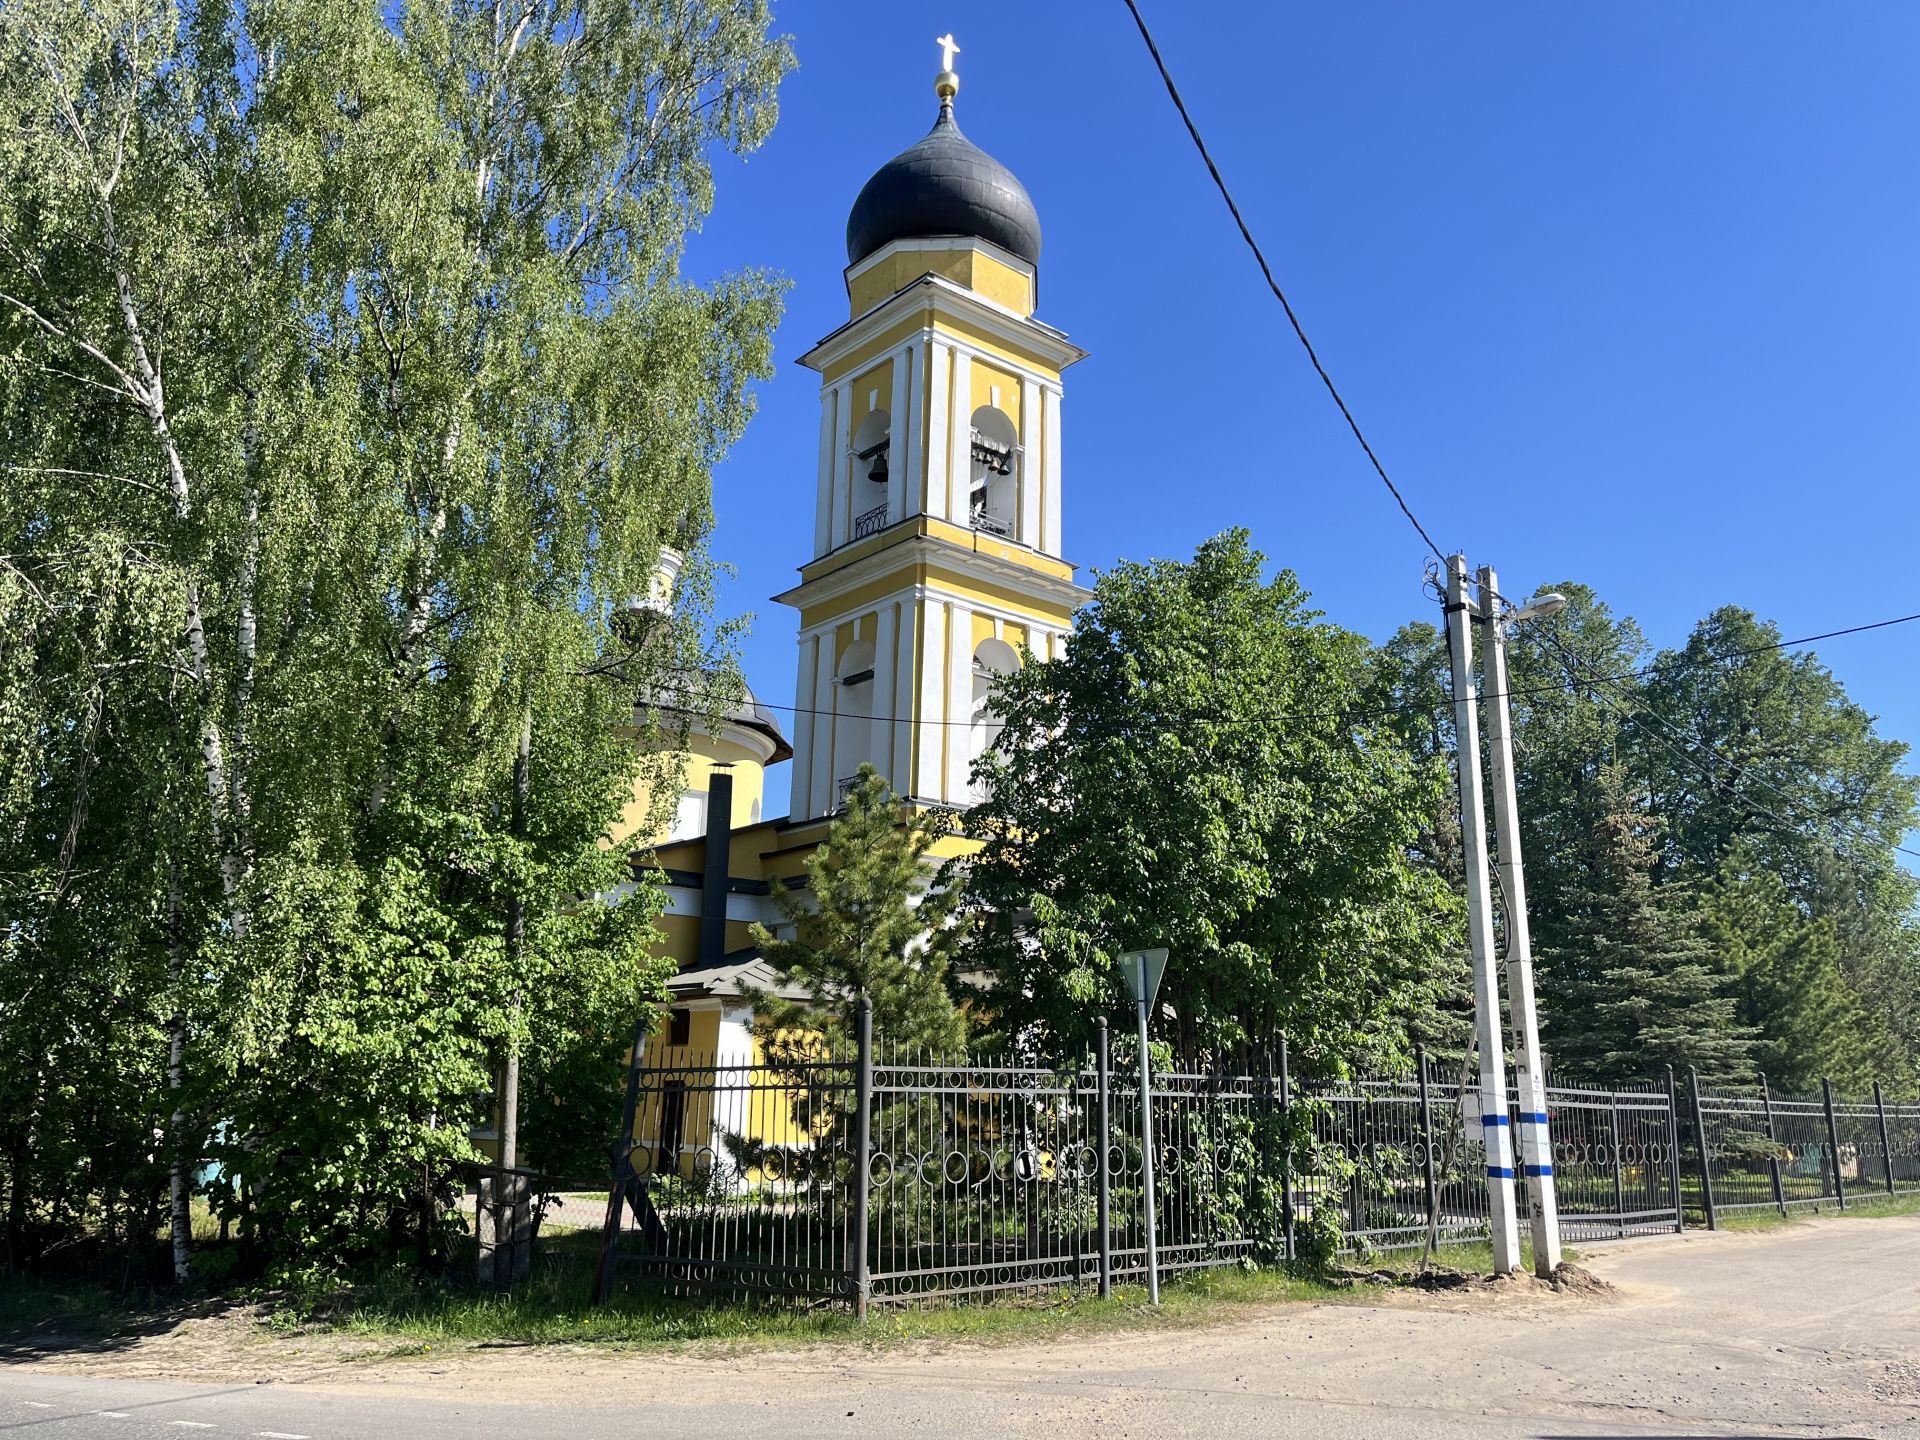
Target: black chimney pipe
713, 884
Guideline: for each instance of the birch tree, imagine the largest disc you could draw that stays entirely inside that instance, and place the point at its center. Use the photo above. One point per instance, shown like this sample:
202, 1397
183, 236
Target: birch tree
346, 357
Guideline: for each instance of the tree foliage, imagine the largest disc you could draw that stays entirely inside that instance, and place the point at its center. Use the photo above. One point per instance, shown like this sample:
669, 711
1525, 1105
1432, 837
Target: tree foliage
868, 924
1201, 770
348, 385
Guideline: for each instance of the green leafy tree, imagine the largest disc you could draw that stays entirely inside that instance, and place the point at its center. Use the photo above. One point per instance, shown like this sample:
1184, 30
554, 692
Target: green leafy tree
1639, 985
1203, 769
349, 385
868, 923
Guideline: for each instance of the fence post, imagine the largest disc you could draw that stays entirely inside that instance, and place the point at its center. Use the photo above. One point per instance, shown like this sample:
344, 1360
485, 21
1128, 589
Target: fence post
1103, 1092
1773, 1144
1706, 1150
1619, 1176
1426, 1140
862, 1159
1886, 1143
1286, 1154
1833, 1143
1673, 1151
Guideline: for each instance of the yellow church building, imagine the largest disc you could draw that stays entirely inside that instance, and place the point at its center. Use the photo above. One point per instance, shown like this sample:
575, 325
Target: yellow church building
937, 560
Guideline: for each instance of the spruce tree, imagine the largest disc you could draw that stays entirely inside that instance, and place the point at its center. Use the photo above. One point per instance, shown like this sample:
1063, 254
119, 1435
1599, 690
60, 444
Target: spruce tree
873, 927
1787, 973
1640, 988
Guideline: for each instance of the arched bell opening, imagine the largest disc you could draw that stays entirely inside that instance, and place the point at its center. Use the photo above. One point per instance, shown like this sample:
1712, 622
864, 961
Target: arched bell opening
993, 660
995, 472
871, 470
853, 716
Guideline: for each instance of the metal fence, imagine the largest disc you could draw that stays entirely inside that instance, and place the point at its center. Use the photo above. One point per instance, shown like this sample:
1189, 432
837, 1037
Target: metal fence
886, 1176
1764, 1151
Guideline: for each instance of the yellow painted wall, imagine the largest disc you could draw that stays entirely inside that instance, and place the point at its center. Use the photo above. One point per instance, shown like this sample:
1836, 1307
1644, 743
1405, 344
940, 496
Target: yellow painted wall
704, 753
980, 272
872, 390
985, 379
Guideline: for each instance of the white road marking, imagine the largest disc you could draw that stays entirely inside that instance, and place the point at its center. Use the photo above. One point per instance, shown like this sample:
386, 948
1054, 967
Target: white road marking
281, 1435
112, 1414
37, 1404
193, 1424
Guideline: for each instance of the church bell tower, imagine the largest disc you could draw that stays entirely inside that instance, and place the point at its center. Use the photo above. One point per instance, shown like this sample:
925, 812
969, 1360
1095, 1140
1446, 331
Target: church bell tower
937, 555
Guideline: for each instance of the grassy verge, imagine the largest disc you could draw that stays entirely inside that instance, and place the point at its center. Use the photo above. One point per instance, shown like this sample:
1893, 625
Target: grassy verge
1866, 1205
409, 1316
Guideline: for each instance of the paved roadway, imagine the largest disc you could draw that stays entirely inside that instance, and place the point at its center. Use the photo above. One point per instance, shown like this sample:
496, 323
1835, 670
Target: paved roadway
1813, 1331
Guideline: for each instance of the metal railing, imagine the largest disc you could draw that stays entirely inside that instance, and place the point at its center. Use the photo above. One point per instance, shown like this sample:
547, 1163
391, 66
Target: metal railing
989, 524
1768, 1151
872, 522
876, 1174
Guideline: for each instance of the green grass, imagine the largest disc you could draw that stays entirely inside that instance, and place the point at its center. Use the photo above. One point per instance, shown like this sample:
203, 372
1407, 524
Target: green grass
1864, 1204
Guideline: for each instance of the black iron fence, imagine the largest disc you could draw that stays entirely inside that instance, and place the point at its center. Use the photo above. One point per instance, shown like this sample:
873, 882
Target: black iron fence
877, 1175
1768, 1151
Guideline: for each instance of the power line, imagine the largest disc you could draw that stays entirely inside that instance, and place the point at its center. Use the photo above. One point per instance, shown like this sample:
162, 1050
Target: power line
1695, 747
1274, 285
1440, 707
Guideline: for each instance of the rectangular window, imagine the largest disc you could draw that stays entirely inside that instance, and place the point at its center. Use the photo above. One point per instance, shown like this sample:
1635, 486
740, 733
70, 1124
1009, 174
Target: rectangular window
680, 1027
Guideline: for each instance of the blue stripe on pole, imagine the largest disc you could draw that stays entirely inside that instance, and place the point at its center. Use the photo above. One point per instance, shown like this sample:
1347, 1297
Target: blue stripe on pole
1535, 1118
1539, 1169
1495, 1120
1499, 1172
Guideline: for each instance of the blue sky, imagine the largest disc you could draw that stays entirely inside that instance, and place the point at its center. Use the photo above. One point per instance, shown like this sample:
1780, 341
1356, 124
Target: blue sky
1623, 293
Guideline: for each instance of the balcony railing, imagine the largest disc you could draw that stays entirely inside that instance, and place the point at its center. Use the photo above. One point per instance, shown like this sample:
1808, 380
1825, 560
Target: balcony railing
992, 525
871, 523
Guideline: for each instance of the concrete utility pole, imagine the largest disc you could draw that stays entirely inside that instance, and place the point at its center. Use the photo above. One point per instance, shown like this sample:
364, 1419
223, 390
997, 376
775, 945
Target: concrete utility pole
1536, 1142
1502, 1218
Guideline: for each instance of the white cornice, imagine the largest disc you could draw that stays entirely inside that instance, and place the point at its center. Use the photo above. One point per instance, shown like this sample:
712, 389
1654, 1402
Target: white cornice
941, 296
932, 550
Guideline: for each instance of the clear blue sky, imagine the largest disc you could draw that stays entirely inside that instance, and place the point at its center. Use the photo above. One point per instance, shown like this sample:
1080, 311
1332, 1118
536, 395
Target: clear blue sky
1623, 293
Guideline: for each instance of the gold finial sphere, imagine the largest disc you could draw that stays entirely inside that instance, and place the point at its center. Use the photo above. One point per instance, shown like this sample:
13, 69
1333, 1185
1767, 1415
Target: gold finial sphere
946, 84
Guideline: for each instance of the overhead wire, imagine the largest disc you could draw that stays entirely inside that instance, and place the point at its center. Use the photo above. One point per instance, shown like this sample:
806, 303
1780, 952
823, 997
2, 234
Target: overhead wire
1246, 234
1691, 749
1439, 707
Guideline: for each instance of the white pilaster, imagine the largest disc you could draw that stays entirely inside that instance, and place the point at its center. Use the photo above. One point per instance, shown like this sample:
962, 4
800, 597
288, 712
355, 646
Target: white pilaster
929, 773
825, 692
823, 486
939, 406
901, 739
897, 433
959, 702
800, 805
960, 438
913, 456
1031, 467
842, 463
1050, 478
880, 727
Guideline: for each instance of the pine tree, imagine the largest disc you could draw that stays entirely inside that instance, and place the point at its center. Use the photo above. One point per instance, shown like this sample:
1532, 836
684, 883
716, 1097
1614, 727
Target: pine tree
1639, 989
873, 927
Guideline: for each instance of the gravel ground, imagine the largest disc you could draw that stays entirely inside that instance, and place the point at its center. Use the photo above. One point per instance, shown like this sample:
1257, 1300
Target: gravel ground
1807, 1331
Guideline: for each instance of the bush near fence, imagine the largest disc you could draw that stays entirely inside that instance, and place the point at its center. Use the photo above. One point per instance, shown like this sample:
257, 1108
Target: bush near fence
982, 1176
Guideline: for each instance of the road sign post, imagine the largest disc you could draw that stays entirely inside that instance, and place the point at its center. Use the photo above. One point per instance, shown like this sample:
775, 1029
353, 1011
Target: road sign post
1142, 969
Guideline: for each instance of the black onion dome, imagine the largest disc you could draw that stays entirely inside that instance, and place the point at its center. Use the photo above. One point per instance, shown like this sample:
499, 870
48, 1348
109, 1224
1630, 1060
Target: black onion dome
945, 185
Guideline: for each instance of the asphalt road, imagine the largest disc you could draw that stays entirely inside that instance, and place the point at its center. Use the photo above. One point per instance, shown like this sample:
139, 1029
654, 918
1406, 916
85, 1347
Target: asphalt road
1813, 1331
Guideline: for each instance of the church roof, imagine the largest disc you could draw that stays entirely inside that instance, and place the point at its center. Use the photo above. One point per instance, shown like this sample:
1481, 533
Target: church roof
690, 693
944, 185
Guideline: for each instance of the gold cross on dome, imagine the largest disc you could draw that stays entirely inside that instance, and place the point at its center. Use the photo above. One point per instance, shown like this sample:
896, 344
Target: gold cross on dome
948, 49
